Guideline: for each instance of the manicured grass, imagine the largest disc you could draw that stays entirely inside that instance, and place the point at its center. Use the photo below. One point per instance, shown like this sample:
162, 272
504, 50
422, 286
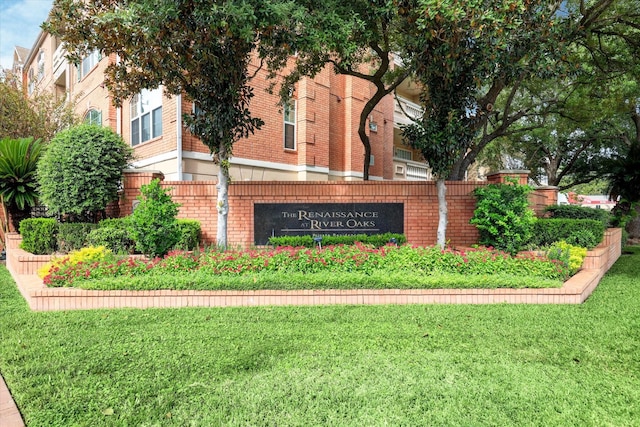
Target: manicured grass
337, 365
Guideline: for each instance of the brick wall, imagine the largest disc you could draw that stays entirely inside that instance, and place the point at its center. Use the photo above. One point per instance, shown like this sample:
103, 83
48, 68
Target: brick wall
420, 203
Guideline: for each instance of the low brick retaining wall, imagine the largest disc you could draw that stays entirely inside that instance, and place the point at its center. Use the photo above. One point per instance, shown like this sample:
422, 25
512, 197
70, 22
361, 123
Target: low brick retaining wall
576, 290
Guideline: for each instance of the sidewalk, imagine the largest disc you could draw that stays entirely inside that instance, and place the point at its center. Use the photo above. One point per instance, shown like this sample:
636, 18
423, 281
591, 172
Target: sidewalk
9, 414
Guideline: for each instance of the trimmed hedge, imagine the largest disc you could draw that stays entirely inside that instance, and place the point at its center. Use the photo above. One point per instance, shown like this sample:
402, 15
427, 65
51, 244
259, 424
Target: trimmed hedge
190, 234
39, 235
113, 234
375, 240
548, 231
42, 236
578, 212
72, 236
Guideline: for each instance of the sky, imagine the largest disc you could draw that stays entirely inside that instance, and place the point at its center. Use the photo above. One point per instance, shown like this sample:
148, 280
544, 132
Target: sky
20, 25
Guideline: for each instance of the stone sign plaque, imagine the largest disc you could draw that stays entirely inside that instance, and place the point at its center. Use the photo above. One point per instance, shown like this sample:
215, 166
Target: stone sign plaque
296, 219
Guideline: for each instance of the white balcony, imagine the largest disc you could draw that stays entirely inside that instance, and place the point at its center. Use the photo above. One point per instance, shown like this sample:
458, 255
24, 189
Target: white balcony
409, 170
405, 110
59, 62
397, 60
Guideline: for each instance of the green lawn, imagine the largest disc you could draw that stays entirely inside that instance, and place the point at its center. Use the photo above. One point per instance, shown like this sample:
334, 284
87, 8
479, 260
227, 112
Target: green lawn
432, 365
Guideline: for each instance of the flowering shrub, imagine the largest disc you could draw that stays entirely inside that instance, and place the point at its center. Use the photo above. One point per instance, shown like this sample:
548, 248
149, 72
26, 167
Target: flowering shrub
365, 261
570, 255
76, 260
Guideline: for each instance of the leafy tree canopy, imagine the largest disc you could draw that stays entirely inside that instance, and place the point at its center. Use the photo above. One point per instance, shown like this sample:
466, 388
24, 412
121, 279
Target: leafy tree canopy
358, 38
565, 128
198, 48
40, 115
460, 49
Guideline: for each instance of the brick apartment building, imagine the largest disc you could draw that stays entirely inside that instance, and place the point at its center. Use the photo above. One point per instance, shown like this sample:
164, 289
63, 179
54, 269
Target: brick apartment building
314, 140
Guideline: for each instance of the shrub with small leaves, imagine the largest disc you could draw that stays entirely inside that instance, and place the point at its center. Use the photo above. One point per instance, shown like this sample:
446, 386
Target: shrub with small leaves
546, 231
114, 234
583, 238
81, 170
189, 230
153, 224
115, 239
376, 240
72, 236
503, 216
39, 235
578, 212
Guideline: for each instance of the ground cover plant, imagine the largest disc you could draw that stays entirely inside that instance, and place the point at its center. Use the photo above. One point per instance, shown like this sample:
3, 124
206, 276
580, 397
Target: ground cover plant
333, 267
507, 365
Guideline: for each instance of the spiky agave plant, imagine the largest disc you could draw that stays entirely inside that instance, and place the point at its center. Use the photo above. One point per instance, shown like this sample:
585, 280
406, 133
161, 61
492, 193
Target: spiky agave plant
18, 184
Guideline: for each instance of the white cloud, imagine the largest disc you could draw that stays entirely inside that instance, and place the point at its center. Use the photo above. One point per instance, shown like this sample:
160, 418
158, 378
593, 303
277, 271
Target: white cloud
20, 25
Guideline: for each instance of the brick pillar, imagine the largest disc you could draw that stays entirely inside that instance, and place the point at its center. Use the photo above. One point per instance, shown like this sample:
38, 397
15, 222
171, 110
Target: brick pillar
550, 193
499, 177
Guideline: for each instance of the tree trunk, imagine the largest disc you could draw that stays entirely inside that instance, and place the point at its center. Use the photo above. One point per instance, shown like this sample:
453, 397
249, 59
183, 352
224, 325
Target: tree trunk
367, 157
442, 213
223, 198
362, 127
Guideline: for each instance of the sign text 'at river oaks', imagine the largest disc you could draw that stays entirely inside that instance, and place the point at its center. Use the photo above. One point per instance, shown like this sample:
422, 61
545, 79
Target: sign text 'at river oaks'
295, 219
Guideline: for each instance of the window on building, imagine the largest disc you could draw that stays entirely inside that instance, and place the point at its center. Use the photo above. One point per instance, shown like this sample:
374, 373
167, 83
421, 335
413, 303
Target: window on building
40, 65
31, 83
93, 117
146, 116
290, 125
88, 63
402, 154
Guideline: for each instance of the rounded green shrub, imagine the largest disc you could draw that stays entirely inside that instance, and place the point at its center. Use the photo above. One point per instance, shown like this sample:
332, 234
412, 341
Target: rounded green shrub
81, 170
546, 231
72, 236
115, 239
578, 212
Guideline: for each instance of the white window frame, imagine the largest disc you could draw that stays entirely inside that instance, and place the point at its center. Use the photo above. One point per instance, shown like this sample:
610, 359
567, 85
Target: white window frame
146, 108
31, 84
397, 150
289, 123
88, 63
93, 117
40, 65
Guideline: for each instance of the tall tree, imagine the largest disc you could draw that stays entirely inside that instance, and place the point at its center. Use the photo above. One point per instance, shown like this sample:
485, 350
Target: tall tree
358, 38
600, 40
201, 49
459, 49
623, 169
40, 115
566, 126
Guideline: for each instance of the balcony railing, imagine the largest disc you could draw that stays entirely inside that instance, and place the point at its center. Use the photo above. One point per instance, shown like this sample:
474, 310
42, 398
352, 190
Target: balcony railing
404, 108
59, 61
411, 171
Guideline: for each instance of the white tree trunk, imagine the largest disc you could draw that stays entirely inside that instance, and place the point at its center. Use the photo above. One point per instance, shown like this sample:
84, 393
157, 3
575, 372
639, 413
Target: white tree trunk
442, 213
223, 199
